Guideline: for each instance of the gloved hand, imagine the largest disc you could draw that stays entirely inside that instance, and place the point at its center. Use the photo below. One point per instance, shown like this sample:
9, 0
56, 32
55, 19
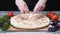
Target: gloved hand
22, 6
40, 5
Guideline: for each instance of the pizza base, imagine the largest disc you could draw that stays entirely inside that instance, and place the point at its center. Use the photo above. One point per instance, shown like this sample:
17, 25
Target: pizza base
29, 21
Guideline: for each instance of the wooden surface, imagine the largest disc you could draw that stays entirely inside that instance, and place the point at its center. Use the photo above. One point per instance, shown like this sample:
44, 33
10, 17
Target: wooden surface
23, 30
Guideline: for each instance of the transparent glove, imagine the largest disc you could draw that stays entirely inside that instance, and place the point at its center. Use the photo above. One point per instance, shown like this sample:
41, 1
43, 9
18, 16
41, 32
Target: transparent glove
22, 6
40, 5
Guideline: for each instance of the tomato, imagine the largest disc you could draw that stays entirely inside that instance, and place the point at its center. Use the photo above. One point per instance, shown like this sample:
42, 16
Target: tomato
10, 14
54, 17
49, 13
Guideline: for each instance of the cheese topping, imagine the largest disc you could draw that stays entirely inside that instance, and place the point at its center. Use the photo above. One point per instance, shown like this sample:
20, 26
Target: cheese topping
29, 21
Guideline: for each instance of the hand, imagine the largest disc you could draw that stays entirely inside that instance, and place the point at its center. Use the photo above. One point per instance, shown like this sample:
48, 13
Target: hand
40, 5
22, 6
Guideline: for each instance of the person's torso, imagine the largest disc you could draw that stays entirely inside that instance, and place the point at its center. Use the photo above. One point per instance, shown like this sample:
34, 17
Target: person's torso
31, 4
9, 5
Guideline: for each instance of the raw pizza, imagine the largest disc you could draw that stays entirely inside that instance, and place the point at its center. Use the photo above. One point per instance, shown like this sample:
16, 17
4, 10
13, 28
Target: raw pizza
30, 21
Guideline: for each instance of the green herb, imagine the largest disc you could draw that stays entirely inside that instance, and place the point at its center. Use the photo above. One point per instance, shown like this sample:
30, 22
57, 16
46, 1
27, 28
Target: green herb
5, 17
1, 20
5, 27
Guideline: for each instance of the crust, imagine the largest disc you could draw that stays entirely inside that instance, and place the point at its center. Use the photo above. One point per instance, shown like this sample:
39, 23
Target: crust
32, 27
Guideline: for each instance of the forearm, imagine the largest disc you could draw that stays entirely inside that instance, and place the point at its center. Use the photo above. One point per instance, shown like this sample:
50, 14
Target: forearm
42, 1
18, 2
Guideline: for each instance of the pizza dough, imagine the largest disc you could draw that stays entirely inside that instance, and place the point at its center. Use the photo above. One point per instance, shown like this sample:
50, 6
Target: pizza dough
30, 21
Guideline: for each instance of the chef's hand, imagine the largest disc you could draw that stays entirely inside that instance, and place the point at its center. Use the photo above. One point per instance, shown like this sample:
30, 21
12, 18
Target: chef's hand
22, 6
40, 5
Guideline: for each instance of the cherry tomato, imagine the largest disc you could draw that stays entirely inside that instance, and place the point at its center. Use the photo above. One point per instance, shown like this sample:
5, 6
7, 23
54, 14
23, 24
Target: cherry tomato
49, 13
54, 17
10, 14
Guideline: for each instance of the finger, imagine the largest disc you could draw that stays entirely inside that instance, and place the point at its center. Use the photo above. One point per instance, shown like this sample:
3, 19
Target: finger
22, 11
36, 9
41, 8
26, 10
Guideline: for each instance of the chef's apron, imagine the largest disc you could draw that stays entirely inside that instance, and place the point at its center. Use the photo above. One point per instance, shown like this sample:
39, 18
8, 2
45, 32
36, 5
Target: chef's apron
31, 4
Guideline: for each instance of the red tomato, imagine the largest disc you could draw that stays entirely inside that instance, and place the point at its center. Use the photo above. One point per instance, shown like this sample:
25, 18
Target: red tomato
54, 17
10, 14
49, 13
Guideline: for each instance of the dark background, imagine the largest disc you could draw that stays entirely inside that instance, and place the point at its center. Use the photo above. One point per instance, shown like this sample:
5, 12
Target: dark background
9, 5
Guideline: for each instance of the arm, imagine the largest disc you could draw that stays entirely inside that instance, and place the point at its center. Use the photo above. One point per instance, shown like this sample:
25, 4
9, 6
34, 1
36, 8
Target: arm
40, 5
22, 6
42, 1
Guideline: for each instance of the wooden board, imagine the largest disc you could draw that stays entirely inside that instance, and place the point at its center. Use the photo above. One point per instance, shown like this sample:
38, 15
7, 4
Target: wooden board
12, 29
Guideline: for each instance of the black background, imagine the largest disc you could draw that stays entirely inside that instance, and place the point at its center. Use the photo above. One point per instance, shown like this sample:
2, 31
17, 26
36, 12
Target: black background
9, 5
